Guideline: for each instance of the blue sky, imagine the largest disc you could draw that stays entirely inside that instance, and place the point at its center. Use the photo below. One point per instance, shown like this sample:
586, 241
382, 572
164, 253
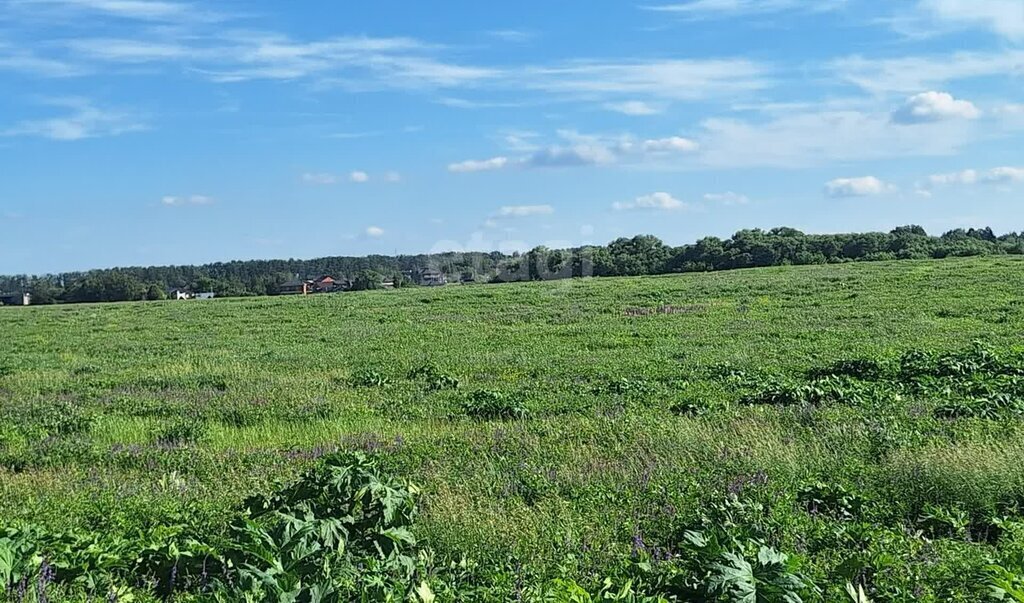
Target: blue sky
137, 132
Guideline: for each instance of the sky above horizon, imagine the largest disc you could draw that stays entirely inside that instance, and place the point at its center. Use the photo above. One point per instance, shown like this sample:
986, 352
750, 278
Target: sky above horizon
152, 132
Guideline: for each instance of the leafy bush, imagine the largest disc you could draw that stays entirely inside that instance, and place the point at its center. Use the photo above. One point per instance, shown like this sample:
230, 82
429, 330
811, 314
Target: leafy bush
433, 378
491, 405
369, 378
830, 499
341, 532
182, 432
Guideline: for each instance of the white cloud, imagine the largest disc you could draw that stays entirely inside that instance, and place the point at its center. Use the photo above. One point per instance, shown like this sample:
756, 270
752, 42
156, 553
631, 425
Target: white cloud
635, 108
84, 121
675, 144
998, 175
656, 201
802, 139
174, 201
963, 177
23, 60
665, 80
358, 177
1010, 109
727, 198
1005, 175
319, 178
471, 165
865, 186
127, 51
913, 74
928, 107
697, 9
146, 10
579, 154
517, 36
580, 150
522, 211
1004, 17
374, 231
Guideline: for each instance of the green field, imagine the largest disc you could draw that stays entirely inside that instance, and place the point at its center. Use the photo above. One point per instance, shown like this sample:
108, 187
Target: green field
561, 434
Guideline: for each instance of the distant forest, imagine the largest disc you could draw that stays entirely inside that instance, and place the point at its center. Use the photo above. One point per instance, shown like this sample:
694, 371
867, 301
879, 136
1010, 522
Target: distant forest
640, 255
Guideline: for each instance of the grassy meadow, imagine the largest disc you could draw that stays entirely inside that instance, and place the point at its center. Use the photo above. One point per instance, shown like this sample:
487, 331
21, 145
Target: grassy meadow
569, 440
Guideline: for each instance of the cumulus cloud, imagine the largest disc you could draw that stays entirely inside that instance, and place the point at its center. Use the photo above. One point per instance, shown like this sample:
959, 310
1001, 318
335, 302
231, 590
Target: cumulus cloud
865, 186
374, 231
522, 211
727, 198
474, 165
319, 178
175, 201
929, 107
654, 201
358, 177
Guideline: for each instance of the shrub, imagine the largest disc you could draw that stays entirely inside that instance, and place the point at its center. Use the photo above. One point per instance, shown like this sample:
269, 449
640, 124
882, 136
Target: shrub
182, 432
369, 378
492, 405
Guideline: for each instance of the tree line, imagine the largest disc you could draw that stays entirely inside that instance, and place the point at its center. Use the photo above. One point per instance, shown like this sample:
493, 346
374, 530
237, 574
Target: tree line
639, 255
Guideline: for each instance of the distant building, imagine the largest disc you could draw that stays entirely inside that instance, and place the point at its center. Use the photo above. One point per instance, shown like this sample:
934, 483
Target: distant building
296, 287
432, 278
179, 294
205, 295
326, 284
15, 299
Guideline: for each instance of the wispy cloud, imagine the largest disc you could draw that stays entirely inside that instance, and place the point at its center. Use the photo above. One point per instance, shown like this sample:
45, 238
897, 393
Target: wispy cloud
727, 198
84, 120
483, 165
808, 138
912, 74
374, 231
26, 61
517, 36
358, 177
684, 80
1003, 17
579, 150
162, 11
319, 178
635, 107
707, 9
522, 211
175, 201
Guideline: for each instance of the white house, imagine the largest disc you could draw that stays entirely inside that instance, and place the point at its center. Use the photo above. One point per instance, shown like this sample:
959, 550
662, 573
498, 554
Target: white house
206, 295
